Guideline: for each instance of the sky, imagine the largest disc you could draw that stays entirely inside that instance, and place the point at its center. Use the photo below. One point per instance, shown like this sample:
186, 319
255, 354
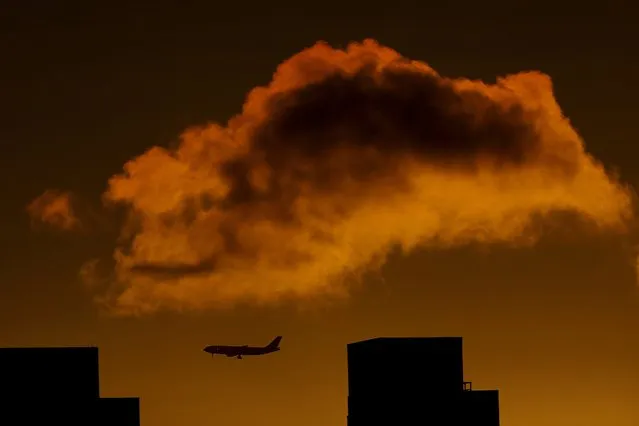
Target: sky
549, 316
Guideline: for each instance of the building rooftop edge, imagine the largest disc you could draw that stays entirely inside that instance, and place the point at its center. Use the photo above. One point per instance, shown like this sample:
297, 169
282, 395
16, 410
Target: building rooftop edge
381, 339
31, 348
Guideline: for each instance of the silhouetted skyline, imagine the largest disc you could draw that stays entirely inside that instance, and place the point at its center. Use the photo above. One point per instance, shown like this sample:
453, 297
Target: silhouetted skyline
391, 380
59, 385
404, 380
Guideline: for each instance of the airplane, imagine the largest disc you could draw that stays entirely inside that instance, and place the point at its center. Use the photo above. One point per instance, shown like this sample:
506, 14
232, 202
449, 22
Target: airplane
238, 351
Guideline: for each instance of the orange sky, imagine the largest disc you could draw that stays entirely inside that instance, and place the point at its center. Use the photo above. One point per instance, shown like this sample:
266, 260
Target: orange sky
551, 325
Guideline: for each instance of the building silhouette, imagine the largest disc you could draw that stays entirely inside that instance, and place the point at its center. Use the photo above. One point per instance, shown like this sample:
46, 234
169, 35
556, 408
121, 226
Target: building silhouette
58, 386
418, 381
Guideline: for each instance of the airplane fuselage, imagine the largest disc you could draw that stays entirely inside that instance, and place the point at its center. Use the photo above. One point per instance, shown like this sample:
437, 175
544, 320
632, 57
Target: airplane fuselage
240, 351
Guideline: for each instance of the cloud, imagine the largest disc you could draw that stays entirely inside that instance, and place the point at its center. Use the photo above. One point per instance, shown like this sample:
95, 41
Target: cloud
343, 156
54, 209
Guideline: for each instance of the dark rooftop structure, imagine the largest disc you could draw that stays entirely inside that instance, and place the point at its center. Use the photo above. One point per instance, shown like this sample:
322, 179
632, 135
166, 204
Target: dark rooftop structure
395, 381
61, 386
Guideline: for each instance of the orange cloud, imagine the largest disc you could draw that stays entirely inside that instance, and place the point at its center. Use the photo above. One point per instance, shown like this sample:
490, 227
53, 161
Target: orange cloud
344, 155
54, 209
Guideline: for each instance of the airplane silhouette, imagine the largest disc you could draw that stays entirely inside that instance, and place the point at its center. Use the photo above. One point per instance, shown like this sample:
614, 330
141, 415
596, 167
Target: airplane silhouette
238, 351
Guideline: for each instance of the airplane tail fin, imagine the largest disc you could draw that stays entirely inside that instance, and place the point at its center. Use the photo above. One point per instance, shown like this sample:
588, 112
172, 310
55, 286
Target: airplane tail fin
275, 343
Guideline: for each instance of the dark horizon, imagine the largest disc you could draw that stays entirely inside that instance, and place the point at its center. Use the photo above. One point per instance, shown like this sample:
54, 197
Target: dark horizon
59, 385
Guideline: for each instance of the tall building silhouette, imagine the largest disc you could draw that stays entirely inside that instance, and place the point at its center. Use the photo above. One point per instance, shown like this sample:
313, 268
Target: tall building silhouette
58, 386
414, 381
